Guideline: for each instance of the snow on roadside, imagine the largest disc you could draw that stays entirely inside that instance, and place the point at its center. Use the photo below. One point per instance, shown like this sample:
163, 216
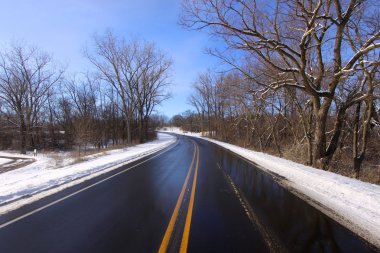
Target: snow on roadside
354, 203
178, 130
40, 176
5, 160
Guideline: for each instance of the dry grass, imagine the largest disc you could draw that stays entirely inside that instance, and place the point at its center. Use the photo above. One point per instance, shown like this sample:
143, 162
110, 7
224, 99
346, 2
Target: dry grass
64, 158
371, 174
98, 152
296, 153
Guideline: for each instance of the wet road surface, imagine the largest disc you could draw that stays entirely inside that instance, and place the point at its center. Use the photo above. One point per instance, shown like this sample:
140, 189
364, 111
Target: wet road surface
191, 197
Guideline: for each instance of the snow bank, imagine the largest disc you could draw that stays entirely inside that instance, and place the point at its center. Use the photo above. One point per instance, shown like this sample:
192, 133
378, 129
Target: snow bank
4, 161
177, 130
353, 203
40, 175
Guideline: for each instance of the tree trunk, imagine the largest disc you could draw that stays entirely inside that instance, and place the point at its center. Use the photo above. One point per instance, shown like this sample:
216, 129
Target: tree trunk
129, 138
358, 156
146, 120
320, 159
334, 142
308, 126
141, 131
319, 142
22, 135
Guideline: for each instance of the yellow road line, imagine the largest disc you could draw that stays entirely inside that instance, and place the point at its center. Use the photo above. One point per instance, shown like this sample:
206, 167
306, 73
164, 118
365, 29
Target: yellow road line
186, 230
169, 229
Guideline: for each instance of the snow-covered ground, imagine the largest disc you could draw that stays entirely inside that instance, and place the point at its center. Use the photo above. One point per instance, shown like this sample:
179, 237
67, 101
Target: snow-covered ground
355, 204
177, 130
4, 161
44, 177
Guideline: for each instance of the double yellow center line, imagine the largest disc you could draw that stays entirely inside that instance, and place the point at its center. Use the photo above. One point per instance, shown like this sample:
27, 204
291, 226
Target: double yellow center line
186, 230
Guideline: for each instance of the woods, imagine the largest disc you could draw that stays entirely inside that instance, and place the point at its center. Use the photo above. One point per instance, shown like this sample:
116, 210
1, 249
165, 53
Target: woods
304, 78
302, 81
26, 79
44, 106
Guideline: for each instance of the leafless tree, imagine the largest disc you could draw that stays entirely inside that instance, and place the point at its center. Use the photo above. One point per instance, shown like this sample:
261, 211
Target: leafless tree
150, 84
137, 71
306, 43
26, 76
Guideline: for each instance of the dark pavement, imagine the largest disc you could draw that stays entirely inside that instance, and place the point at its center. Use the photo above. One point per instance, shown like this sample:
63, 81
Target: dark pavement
132, 208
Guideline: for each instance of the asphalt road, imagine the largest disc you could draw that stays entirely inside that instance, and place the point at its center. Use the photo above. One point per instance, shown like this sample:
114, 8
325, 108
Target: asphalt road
131, 211
180, 200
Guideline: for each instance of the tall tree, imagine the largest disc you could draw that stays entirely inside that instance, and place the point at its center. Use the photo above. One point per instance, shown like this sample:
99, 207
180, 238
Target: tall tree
26, 76
137, 71
301, 45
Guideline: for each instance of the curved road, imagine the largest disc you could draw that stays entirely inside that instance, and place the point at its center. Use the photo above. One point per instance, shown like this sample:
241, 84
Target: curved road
179, 200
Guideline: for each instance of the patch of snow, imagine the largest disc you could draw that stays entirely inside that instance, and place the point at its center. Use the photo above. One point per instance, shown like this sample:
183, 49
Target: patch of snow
4, 161
177, 130
40, 175
14, 154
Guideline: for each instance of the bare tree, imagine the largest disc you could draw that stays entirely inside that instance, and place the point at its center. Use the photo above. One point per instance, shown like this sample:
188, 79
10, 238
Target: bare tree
150, 85
137, 71
305, 43
26, 76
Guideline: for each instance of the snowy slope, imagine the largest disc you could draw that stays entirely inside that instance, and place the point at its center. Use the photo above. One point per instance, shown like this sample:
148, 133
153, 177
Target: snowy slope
355, 204
41, 176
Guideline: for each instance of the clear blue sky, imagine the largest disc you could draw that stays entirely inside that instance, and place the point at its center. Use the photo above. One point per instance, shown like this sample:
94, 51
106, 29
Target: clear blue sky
65, 27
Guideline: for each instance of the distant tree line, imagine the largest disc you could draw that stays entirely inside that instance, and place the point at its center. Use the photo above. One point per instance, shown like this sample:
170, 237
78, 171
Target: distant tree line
41, 106
305, 78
